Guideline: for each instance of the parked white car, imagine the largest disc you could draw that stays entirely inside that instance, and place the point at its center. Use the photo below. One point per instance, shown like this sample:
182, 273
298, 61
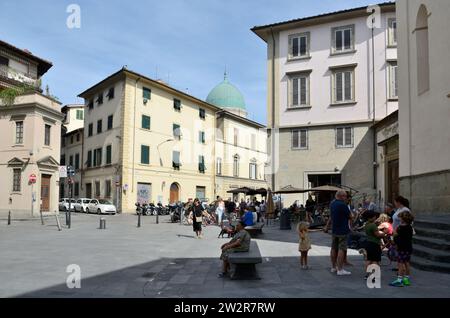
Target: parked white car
81, 204
100, 206
64, 204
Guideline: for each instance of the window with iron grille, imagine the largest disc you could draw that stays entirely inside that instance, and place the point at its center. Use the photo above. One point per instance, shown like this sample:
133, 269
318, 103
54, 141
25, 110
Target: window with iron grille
300, 139
344, 137
19, 132
17, 177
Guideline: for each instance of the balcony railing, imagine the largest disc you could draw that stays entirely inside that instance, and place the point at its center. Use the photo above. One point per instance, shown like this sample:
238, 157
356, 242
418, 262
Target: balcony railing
10, 73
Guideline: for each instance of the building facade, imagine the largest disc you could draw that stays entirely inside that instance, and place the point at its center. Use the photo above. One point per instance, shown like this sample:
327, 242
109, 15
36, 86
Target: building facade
330, 79
73, 117
30, 126
424, 110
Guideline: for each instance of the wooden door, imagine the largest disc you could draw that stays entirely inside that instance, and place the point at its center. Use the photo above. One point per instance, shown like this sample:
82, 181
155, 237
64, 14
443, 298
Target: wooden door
174, 193
393, 182
89, 190
45, 192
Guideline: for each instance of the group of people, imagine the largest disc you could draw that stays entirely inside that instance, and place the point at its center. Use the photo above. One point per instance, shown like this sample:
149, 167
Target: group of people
251, 211
391, 230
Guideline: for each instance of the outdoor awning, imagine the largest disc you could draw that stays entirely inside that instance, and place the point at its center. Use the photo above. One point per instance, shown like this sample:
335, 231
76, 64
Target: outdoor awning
326, 188
290, 189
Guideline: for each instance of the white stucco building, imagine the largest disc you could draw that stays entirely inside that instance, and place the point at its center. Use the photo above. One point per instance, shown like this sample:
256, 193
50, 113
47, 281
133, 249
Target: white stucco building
424, 110
330, 79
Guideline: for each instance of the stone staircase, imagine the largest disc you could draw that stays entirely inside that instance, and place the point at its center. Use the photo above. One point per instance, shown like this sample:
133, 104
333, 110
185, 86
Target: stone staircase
432, 244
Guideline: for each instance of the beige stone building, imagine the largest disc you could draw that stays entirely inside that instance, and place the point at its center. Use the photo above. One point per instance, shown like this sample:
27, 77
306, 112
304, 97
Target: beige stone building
145, 141
30, 130
424, 110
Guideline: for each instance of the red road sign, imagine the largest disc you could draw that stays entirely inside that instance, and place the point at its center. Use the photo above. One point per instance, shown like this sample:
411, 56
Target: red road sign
32, 178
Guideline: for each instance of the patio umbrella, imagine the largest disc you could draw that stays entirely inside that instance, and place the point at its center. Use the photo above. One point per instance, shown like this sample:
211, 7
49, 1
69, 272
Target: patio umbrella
244, 190
326, 188
290, 189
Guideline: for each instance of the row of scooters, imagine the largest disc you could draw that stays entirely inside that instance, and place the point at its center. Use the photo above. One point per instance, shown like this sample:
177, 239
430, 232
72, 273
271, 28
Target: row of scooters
175, 210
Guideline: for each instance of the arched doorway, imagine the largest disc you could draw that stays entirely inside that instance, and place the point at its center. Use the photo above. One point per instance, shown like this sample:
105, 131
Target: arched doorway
174, 193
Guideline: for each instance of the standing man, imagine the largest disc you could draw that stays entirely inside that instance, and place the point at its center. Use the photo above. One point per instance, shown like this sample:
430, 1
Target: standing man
340, 218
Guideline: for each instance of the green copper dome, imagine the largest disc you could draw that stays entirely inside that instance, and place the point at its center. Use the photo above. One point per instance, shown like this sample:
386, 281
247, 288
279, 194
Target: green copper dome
226, 95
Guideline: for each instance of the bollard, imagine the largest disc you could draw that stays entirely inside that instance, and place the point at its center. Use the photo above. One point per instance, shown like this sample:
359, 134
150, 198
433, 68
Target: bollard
9, 218
42, 218
157, 217
139, 220
58, 223
102, 224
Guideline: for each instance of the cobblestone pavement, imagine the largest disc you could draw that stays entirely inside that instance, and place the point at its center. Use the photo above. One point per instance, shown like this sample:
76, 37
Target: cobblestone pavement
165, 260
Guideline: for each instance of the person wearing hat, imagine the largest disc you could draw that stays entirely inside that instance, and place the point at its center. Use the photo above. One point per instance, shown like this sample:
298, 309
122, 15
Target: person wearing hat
239, 243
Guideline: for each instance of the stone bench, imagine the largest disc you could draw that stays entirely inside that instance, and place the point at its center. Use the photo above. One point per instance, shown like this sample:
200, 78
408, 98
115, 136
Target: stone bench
256, 229
245, 263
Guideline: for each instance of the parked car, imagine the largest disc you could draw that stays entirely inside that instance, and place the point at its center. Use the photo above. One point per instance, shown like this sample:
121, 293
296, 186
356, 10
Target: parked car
64, 204
81, 204
100, 206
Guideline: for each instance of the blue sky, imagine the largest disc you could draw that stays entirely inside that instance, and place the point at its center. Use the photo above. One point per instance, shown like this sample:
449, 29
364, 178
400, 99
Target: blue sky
185, 42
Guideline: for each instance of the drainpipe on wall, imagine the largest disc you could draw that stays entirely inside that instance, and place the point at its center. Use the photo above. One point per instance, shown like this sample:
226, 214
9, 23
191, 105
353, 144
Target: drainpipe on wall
134, 133
273, 110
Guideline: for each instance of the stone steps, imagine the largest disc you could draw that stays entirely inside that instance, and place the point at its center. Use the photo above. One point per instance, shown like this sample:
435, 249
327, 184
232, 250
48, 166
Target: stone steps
431, 250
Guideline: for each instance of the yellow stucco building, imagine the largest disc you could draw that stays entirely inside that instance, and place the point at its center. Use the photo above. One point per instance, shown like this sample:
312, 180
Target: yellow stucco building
145, 141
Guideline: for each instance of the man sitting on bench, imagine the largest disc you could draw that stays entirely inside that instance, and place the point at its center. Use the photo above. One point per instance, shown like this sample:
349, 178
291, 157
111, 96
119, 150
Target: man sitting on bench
239, 243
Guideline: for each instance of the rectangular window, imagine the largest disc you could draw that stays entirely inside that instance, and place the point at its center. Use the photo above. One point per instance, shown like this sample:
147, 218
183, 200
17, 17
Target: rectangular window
299, 45
344, 137
19, 132
146, 93
76, 189
71, 139
108, 154
253, 142
17, 179
90, 129
176, 131
201, 164
176, 104
91, 104
201, 137
62, 160
343, 39
97, 189
145, 154
100, 98
200, 192
98, 157
236, 136
107, 188
99, 126
77, 161
78, 137
300, 139
219, 166
176, 160
71, 161
343, 86
392, 35
110, 94
47, 135
393, 80
89, 159
252, 170
145, 122
110, 122
80, 114
202, 113
299, 87
236, 166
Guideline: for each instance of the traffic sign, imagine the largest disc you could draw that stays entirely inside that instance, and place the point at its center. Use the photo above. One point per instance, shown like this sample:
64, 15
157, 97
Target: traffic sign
32, 178
70, 171
62, 171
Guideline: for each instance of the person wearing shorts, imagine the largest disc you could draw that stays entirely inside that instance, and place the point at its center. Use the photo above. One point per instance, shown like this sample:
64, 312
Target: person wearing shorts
403, 241
340, 217
373, 243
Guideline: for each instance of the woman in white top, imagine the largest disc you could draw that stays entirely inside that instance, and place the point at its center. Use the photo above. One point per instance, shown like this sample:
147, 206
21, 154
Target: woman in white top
401, 205
220, 210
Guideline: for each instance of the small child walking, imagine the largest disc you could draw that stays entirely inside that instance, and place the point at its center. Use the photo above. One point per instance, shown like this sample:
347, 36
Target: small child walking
403, 241
304, 243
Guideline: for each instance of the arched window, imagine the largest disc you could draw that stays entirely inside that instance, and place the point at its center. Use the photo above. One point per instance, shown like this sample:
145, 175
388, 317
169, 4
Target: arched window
236, 166
422, 44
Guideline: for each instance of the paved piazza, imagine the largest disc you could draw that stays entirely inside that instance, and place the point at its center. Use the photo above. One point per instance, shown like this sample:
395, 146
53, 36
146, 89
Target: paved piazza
165, 260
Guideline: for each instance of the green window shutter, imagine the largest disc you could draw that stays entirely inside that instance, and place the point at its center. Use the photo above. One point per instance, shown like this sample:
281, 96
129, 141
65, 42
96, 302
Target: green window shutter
145, 154
146, 122
146, 93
